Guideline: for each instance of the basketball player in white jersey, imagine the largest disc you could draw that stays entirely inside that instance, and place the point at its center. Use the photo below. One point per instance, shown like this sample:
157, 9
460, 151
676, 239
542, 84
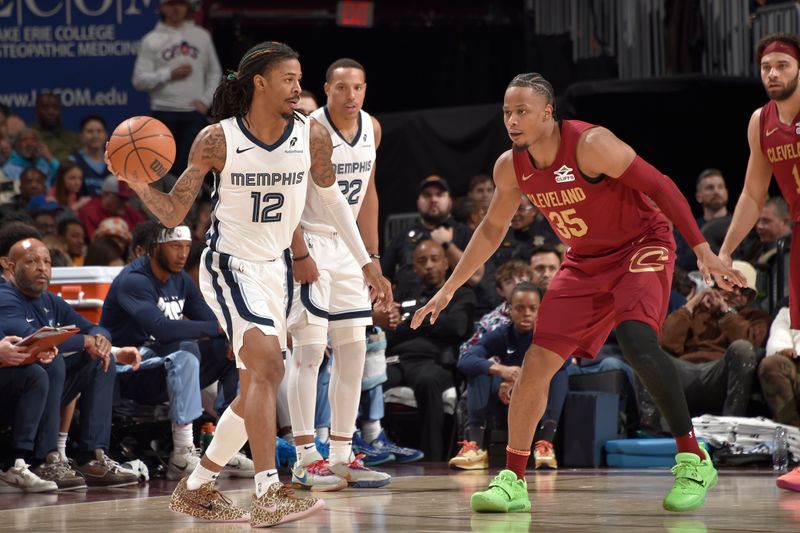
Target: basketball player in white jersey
263, 155
329, 296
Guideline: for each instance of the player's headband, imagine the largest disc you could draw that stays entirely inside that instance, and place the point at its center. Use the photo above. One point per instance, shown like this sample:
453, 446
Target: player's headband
178, 233
783, 47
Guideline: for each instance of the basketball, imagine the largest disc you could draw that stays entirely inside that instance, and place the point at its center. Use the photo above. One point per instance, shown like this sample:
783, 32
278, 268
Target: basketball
141, 149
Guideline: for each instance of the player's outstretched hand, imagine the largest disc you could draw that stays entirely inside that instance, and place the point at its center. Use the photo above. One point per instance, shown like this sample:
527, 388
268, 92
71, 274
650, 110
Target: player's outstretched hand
380, 289
710, 265
434, 306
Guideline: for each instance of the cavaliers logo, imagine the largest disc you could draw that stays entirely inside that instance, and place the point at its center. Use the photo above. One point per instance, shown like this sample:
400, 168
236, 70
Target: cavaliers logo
649, 259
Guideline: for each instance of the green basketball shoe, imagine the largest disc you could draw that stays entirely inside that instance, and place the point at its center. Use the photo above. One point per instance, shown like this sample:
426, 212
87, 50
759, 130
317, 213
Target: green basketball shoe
693, 478
506, 494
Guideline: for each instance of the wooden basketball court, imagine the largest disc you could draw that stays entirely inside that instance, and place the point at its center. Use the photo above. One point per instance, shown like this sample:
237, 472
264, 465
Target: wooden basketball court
429, 497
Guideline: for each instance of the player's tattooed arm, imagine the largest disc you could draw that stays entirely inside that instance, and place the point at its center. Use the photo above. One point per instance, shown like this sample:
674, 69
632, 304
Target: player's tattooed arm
321, 150
207, 154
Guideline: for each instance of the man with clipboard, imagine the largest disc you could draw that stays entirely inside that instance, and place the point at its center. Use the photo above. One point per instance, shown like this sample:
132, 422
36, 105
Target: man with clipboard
26, 306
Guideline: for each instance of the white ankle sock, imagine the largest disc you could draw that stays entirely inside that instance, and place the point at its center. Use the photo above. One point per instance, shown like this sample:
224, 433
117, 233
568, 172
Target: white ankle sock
370, 429
181, 437
323, 434
200, 476
307, 453
341, 450
62, 445
264, 480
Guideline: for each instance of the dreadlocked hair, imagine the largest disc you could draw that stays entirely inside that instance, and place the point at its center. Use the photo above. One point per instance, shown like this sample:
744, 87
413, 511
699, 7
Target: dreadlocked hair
234, 94
536, 82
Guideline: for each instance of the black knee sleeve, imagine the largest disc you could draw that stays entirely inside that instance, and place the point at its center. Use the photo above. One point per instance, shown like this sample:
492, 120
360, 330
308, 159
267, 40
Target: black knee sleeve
657, 372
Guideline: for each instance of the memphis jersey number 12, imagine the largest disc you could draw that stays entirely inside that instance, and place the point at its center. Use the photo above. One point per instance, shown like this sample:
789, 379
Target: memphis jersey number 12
260, 194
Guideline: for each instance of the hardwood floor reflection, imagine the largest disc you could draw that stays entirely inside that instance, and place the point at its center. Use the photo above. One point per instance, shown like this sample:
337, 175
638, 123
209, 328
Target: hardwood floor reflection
430, 498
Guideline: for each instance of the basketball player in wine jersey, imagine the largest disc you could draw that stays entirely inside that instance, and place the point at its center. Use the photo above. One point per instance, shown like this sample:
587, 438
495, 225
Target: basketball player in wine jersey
774, 138
591, 186
263, 155
330, 297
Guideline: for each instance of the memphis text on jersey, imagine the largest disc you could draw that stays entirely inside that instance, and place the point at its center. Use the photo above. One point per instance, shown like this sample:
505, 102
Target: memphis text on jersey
559, 198
261, 179
783, 152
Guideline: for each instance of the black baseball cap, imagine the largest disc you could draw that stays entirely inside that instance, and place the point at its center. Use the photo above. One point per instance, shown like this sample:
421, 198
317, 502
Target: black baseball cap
433, 181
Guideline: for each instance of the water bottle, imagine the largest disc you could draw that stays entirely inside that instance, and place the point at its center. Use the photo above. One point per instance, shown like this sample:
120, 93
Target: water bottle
206, 435
780, 451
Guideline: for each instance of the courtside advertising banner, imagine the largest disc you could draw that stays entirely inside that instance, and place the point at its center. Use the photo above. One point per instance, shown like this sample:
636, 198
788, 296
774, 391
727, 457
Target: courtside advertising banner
84, 50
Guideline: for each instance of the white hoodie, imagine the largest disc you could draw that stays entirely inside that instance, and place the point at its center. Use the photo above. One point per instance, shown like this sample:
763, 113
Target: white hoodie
165, 48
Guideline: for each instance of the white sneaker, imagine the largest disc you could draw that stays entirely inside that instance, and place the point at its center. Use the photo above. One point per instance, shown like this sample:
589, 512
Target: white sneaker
316, 476
359, 476
182, 462
19, 478
239, 466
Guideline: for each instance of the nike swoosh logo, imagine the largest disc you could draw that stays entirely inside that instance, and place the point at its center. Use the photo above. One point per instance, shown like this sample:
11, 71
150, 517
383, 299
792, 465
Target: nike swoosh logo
510, 351
770, 132
239, 150
29, 320
308, 446
526, 178
207, 506
302, 479
180, 467
336, 145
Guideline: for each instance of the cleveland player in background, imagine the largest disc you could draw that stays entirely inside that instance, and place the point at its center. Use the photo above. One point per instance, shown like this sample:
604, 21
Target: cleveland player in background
617, 272
774, 138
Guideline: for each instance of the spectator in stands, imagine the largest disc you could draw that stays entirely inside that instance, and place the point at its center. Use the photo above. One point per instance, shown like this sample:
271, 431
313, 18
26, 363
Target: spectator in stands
778, 371
91, 157
60, 140
68, 188
202, 219
44, 212
308, 102
711, 193
505, 279
178, 66
25, 306
71, 231
116, 229
113, 202
426, 356
154, 305
31, 183
480, 190
774, 225
528, 231
5, 138
141, 236
467, 211
714, 338
774, 222
434, 205
30, 152
192, 266
492, 367
545, 262
104, 251
10, 234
